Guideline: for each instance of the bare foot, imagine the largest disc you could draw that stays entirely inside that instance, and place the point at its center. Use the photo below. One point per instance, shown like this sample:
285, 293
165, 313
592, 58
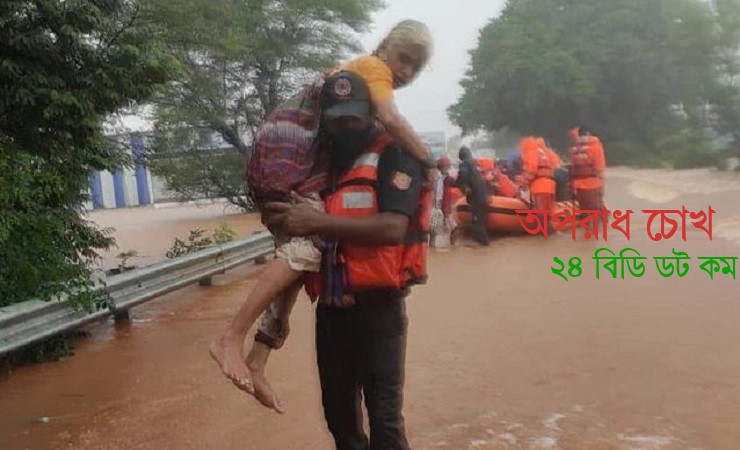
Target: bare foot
264, 394
256, 362
227, 352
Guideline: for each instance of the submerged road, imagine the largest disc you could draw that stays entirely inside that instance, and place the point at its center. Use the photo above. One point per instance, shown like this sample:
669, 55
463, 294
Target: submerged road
502, 354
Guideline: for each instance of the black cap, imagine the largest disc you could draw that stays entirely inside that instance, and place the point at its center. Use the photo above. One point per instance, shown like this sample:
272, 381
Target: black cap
345, 94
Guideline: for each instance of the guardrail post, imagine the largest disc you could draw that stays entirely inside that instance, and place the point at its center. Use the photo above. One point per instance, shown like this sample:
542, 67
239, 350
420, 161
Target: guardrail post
208, 281
260, 260
34, 320
121, 316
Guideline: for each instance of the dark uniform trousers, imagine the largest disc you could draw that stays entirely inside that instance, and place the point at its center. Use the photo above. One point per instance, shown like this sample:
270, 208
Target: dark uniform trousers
479, 211
362, 350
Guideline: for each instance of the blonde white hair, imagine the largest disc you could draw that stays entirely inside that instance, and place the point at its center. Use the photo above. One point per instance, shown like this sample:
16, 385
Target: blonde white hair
408, 33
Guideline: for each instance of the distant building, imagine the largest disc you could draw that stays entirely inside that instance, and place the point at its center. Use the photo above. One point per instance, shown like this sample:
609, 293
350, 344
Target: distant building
137, 186
436, 141
124, 187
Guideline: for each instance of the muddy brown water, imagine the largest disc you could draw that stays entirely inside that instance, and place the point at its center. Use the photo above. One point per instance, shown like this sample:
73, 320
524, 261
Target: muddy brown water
151, 230
501, 355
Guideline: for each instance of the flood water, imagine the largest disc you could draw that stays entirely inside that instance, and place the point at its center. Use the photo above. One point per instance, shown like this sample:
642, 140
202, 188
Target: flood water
501, 354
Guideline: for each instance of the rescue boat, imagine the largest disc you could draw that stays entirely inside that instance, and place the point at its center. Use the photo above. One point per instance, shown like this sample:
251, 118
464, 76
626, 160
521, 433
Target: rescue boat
502, 213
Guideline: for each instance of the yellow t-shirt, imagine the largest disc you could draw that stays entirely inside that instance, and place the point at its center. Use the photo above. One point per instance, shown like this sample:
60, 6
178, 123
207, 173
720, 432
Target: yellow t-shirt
377, 75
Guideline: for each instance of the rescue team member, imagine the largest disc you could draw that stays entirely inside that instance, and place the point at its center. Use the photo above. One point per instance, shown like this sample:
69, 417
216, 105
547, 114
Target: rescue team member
502, 184
554, 157
555, 160
539, 163
587, 165
396, 62
376, 230
471, 182
499, 184
485, 167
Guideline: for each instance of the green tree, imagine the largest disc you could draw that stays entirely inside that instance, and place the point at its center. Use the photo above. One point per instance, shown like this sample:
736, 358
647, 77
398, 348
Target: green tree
727, 96
243, 57
633, 70
64, 66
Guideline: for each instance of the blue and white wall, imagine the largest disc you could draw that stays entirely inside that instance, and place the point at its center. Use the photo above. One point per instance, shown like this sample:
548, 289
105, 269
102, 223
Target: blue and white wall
124, 187
137, 186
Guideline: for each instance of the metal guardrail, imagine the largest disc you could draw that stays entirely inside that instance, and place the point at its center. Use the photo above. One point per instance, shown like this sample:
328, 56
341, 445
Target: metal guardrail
29, 322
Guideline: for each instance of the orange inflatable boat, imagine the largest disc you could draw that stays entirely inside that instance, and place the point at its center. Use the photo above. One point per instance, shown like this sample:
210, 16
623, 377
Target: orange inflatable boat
501, 213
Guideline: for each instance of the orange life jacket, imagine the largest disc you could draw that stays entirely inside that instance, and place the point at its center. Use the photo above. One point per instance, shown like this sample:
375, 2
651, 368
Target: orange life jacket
486, 167
506, 188
545, 168
484, 164
581, 161
371, 267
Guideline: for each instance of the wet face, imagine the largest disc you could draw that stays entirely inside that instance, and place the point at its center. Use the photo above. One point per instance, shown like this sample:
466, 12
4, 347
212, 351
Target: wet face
405, 63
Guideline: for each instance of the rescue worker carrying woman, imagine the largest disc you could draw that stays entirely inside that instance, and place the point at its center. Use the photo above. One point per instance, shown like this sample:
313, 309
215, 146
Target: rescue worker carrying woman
375, 233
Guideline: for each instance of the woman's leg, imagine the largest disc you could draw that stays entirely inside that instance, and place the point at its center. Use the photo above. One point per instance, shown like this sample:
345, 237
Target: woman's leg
260, 351
227, 349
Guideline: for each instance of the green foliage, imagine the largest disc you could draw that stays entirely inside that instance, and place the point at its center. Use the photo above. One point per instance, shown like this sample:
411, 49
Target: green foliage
726, 98
54, 348
51, 349
627, 153
635, 71
65, 67
505, 138
197, 241
194, 242
243, 57
125, 257
195, 173
223, 234
689, 148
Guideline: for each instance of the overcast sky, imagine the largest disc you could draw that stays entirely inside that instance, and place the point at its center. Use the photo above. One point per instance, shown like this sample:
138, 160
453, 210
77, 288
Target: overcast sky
454, 26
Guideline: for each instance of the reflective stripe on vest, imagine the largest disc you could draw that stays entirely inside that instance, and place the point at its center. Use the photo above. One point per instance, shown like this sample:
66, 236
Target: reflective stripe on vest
378, 267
